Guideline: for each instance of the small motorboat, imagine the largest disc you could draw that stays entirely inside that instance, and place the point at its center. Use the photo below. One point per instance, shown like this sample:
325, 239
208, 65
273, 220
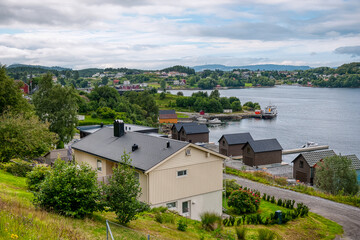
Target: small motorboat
309, 144
215, 121
201, 120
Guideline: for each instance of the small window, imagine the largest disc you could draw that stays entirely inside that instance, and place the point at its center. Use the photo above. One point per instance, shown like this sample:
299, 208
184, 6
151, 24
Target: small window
248, 149
190, 140
99, 165
137, 175
301, 164
223, 142
185, 207
171, 205
188, 152
182, 173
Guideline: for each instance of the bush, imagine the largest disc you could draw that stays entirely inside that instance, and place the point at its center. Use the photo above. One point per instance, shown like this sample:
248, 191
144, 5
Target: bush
94, 115
266, 234
17, 167
241, 232
244, 201
159, 217
230, 186
69, 189
210, 221
36, 177
182, 225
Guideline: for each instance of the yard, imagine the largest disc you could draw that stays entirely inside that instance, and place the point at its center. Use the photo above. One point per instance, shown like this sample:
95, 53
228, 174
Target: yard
20, 219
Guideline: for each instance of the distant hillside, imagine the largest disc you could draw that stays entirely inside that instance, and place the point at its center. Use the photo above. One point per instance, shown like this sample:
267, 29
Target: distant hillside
23, 66
266, 67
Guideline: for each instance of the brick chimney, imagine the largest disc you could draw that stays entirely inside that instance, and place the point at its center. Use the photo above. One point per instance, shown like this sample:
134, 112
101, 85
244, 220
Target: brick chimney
119, 128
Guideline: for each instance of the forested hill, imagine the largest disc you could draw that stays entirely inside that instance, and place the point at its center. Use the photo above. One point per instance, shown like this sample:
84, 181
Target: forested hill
180, 69
265, 67
35, 68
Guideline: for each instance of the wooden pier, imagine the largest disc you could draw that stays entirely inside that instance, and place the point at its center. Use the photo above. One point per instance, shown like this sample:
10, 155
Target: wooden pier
307, 149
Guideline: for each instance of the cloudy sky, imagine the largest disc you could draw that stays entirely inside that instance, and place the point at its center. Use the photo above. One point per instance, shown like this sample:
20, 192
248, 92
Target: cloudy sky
153, 34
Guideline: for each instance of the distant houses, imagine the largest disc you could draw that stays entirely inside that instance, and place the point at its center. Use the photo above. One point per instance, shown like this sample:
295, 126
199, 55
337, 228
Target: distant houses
231, 144
24, 87
262, 152
190, 132
167, 116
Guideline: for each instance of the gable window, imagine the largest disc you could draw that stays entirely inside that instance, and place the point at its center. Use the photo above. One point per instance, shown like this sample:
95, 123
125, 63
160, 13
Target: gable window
188, 152
171, 205
99, 165
182, 173
223, 143
301, 164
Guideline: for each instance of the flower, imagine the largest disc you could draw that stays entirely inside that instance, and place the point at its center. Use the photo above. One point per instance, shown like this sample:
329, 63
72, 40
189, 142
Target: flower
14, 236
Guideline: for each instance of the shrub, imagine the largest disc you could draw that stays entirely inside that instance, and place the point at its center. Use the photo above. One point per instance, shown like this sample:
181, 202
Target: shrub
230, 186
159, 209
272, 199
94, 115
281, 181
69, 189
241, 232
210, 221
182, 225
279, 202
36, 177
159, 217
266, 234
168, 217
17, 167
244, 201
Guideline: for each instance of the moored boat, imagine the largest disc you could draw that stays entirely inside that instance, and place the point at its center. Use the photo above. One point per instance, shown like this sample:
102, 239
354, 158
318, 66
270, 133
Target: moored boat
269, 112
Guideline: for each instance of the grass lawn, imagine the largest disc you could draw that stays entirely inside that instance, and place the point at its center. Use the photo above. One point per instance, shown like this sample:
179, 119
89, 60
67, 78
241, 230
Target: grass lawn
94, 121
19, 217
248, 85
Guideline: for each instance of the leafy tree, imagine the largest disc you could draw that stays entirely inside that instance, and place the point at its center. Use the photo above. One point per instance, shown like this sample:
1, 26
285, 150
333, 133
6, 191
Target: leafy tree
123, 190
70, 189
58, 106
163, 84
76, 75
236, 106
10, 94
180, 93
24, 136
105, 80
215, 94
335, 174
162, 96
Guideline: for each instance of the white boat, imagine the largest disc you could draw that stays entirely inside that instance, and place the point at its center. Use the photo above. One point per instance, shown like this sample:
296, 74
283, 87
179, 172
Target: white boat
309, 144
215, 120
201, 120
269, 112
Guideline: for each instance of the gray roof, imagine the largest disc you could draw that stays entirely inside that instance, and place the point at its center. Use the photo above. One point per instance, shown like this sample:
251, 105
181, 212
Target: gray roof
152, 150
265, 145
128, 127
195, 129
179, 125
313, 157
355, 161
237, 138
167, 112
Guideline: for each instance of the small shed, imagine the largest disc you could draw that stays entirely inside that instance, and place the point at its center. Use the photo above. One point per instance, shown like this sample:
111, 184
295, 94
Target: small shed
194, 133
175, 129
167, 116
231, 144
262, 152
51, 156
303, 165
356, 164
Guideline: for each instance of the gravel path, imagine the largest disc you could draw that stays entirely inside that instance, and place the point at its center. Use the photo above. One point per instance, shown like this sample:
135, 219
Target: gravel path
345, 215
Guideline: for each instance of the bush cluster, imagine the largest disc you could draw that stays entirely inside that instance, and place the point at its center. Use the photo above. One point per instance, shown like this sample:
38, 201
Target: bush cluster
36, 177
17, 167
210, 221
244, 201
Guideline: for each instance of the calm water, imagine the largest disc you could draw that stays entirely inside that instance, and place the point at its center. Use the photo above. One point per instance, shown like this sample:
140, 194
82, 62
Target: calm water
326, 116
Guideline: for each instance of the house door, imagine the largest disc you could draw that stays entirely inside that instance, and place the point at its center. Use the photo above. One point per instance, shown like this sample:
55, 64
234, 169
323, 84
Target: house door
186, 208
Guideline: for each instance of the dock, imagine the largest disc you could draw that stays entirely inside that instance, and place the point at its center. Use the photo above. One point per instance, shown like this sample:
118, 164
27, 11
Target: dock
307, 149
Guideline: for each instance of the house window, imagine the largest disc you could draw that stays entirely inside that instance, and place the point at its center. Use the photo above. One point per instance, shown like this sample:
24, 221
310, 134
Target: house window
223, 143
185, 207
181, 173
190, 140
188, 152
171, 205
301, 164
137, 175
248, 149
99, 165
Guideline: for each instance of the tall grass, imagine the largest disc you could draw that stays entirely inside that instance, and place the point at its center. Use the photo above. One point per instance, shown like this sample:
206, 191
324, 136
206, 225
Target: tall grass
210, 221
266, 234
241, 233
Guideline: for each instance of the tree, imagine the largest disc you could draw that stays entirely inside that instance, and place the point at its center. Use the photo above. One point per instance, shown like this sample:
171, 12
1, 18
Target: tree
58, 106
70, 189
335, 174
123, 190
163, 85
105, 80
215, 94
24, 136
11, 98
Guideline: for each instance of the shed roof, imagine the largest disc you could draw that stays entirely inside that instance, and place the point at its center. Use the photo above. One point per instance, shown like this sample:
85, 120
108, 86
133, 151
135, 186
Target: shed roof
237, 138
178, 126
265, 145
151, 150
54, 154
167, 116
355, 161
167, 112
195, 129
313, 157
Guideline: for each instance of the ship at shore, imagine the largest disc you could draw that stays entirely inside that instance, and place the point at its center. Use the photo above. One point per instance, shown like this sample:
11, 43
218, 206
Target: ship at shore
269, 112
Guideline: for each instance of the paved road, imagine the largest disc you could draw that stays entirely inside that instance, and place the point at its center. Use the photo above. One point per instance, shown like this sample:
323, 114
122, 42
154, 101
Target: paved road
345, 215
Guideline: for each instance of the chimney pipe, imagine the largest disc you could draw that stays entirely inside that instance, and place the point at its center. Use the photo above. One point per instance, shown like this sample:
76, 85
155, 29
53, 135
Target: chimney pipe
119, 128
167, 144
134, 147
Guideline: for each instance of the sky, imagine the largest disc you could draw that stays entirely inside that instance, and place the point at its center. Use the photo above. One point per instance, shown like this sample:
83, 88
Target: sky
154, 34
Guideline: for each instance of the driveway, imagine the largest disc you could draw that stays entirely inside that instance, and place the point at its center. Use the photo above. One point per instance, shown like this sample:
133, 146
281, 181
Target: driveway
345, 215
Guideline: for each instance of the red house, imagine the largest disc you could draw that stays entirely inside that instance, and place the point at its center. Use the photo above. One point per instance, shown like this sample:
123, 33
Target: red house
23, 86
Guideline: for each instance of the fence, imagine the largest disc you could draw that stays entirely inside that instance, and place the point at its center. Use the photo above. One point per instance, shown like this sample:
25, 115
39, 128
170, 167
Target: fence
116, 231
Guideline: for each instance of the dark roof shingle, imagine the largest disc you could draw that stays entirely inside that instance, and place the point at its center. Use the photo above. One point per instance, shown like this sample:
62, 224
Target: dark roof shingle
265, 145
152, 150
355, 161
195, 129
178, 126
167, 112
167, 116
313, 157
237, 138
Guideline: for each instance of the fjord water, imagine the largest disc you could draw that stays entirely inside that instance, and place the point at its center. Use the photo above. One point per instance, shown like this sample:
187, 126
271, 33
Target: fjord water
328, 116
